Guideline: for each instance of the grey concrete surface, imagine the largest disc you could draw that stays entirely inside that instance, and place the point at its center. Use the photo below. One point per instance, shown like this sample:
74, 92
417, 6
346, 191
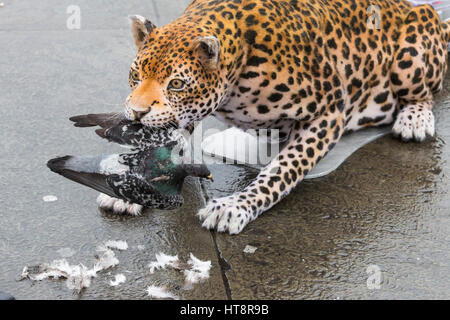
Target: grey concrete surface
388, 205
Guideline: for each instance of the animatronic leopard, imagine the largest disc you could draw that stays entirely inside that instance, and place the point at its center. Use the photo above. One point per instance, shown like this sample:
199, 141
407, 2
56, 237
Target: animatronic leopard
313, 69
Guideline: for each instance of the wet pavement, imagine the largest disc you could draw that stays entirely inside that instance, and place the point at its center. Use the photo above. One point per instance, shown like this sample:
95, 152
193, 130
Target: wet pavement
386, 207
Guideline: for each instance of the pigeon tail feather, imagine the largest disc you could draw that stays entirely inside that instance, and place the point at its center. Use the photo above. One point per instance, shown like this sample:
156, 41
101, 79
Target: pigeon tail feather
94, 180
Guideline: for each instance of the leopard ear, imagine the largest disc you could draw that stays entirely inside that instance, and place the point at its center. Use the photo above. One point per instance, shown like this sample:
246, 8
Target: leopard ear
141, 28
208, 50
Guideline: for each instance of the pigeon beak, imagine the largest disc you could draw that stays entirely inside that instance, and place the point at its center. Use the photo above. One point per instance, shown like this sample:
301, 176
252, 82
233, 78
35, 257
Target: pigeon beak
210, 177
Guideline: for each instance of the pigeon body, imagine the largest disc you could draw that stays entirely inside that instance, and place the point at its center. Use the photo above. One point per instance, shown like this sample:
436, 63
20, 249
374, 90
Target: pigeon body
151, 175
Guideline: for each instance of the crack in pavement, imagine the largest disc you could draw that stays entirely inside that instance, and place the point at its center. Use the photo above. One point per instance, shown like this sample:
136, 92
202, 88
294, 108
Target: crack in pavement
223, 264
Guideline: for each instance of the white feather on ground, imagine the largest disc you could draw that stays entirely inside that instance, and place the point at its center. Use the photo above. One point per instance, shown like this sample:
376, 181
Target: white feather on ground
199, 270
50, 198
119, 279
195, 270
250, 249
78, 276
116, 244
106, 260
163, 261
160, 292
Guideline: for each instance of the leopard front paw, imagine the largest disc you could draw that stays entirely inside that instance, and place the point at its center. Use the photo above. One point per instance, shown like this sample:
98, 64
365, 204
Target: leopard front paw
118, 206
414, 123
225, 215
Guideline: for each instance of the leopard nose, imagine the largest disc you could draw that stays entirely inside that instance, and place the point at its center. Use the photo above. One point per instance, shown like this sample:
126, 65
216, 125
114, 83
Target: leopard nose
140, 114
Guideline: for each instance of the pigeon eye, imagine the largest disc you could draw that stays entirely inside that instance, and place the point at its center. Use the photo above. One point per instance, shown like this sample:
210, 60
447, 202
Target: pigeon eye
176, 85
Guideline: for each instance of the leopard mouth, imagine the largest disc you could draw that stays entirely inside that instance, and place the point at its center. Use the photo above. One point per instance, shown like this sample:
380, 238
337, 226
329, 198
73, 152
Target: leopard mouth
152, 120
160, 124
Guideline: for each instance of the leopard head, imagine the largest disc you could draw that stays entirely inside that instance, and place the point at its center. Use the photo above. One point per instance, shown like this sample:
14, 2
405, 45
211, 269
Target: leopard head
175, 78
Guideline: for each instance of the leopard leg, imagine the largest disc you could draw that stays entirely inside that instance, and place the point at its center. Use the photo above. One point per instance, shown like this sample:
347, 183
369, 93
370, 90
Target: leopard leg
418, 71
307, 144
414, 122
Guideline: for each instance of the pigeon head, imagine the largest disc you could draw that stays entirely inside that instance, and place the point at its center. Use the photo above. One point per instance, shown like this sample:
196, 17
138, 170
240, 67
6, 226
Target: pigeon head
197, 170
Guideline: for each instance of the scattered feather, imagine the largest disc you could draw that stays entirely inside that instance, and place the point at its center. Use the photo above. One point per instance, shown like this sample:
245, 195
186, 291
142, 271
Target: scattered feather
160, 292
250, 249
195, 270
50, 198
107, 259
78, 277
199, 270
163, 261
119, 245
119, 279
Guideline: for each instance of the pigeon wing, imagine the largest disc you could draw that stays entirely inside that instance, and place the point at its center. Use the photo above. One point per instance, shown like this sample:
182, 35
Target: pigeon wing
114, 127
104, 120
125, 133
93, 180
134, 134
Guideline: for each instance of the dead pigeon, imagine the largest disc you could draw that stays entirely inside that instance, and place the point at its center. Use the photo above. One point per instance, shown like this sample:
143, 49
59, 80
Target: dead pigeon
151, 175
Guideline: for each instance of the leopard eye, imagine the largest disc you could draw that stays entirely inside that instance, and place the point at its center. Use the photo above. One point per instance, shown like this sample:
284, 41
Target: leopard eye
176, 85
134, 75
